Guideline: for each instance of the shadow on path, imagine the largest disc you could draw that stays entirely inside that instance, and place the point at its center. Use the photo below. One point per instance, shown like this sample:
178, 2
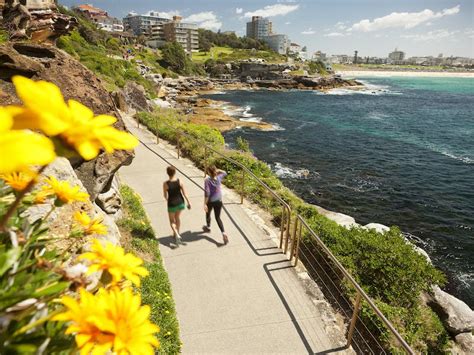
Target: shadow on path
188, 237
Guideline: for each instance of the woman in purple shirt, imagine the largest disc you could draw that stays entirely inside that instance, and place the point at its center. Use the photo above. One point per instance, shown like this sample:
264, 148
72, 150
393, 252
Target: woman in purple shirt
213, 199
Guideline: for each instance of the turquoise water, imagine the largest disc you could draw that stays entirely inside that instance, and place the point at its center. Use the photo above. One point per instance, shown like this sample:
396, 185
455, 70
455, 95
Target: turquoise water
400, 152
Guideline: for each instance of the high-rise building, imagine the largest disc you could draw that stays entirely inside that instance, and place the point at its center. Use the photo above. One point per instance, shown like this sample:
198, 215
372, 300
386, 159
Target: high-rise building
142, 24
259, 28
396, 56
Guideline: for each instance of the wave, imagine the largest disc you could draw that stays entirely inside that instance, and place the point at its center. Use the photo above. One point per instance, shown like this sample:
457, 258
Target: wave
368, 89
465, 160
286, 172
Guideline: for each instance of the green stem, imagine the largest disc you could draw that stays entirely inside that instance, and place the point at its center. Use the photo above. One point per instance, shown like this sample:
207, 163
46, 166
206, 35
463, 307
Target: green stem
19, 198
40, 321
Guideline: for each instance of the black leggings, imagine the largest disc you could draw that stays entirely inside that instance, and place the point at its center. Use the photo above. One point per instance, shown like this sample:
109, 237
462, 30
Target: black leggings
217, 206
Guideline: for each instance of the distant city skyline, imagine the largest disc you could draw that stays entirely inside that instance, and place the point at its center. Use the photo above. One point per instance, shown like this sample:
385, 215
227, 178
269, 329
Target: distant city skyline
372, 27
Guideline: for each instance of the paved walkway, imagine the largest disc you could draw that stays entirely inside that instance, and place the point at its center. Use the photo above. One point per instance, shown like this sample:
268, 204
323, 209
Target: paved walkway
240, 298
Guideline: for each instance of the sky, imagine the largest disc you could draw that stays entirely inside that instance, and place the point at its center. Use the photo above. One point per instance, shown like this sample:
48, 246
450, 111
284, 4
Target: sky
373, 27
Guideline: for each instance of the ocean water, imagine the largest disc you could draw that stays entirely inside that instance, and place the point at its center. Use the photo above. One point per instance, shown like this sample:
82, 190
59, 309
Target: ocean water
400, 152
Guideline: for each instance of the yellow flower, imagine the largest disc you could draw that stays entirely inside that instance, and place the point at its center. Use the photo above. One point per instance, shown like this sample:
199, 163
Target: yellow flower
20, 149
64, 192
110, 321
90, 226
19, 180
73, 122
89, 134
45, 107
113, 259
41, 196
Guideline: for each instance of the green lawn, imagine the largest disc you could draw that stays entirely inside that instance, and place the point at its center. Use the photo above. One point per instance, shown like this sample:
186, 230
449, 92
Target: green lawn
155, 289
201, 57
227, 55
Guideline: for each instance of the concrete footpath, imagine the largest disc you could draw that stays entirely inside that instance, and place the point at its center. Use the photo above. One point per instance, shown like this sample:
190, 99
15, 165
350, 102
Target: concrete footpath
244, 297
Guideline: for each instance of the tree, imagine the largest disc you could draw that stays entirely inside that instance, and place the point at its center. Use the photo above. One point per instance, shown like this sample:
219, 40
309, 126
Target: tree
174, 57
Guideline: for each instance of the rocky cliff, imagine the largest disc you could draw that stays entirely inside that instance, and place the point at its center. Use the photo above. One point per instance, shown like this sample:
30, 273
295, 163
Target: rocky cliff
43, 62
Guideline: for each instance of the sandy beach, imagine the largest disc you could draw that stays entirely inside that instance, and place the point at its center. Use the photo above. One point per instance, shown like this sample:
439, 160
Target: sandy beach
387, 73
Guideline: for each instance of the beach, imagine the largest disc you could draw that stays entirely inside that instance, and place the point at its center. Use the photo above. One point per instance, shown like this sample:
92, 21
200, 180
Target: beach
393, 73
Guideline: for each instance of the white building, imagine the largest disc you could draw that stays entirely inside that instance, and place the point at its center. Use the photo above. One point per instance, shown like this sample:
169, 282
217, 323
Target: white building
278, 43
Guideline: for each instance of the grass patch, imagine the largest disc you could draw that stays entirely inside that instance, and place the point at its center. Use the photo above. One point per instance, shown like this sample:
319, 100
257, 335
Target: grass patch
227, 55
3, 36
155, 288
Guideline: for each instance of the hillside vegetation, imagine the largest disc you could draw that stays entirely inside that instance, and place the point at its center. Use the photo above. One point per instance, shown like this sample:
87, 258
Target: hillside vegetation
385, 265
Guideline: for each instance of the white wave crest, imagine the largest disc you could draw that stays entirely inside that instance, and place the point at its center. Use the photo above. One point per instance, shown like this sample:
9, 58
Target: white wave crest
283, 171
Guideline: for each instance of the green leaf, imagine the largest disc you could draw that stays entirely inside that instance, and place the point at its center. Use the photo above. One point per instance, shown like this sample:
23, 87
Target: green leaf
55, 287
7, 259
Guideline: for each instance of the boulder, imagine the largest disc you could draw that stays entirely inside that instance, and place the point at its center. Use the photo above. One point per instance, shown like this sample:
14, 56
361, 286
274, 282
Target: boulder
135, 96
377, 227
111, 201
340, 218
456, 316
464, 344
120, 101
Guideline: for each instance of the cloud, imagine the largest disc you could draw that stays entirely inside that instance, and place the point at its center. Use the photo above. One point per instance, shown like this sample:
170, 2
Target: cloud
207, 20
239, 10
334, 34
273, 10
469, 32
402, 20
309, 31
431, 35
288, 23
341, 26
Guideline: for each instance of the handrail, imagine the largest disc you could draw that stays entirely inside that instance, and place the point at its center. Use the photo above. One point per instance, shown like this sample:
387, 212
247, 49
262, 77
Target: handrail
297, 239
244, 168
360, 291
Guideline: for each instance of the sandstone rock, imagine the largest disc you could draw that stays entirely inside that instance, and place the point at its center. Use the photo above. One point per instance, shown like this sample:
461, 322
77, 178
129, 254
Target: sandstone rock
38, 21
135, 96
457, 316
340, 218
111, 201
377, 227
41, 62
464, 344
120, 101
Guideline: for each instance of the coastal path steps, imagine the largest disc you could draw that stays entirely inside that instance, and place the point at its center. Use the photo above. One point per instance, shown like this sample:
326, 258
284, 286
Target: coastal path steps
244, 297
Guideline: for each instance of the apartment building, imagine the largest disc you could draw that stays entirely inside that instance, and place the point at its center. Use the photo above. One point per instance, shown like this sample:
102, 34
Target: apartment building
101, 18
142, 24
259, 28
185, 34
277, 42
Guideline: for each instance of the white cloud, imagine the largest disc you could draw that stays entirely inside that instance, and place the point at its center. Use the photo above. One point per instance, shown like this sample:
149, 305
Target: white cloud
309, 31
402, 19
469, 32
288, 23
273, 10
239, 10
334, 34
165, 14
341, 26
431, 35
207, 20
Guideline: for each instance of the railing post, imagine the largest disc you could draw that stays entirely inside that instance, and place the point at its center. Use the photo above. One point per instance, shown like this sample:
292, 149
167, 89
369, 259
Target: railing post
293, 244
354, 319
177, 144
282, 226
242, 187
138, 122
298, 241
156, 131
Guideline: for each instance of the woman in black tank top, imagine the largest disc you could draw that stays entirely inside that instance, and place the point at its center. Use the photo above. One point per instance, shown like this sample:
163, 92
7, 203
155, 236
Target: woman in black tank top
174, 193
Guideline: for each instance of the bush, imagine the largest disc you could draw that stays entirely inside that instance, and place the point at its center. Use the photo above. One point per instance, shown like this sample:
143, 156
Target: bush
386, 266
175, 58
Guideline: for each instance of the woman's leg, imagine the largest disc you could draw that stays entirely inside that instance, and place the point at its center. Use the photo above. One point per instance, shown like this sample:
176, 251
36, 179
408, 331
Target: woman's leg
217, 214
172, 219
208, 215
177, 221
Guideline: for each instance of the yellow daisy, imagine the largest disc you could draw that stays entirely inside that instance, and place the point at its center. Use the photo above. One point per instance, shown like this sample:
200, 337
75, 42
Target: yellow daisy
90, 226
19, 180
64, 192
20, 149
110, 321
113, 259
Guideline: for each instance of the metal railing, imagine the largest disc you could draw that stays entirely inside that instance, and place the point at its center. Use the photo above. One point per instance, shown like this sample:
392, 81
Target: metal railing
284, 222
321, 264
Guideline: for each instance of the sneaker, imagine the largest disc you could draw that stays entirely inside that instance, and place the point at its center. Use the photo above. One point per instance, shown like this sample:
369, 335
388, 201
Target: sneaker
206, 229
178, 239
224, 237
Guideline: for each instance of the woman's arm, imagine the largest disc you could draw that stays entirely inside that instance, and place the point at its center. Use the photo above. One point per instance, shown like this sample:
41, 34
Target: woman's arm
165, 191
183, 191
